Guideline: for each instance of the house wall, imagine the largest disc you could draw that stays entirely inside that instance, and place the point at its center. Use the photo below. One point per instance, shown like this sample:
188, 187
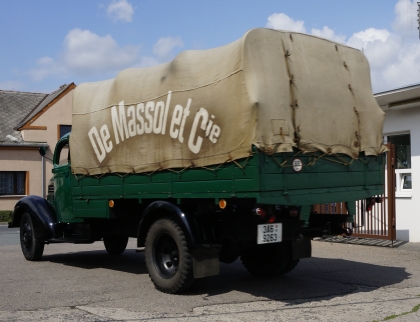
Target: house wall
29, 160
59, 113
407, 208
24, 159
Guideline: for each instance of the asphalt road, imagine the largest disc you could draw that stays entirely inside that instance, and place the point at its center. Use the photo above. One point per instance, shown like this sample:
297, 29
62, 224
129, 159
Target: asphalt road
8, 236
83, 283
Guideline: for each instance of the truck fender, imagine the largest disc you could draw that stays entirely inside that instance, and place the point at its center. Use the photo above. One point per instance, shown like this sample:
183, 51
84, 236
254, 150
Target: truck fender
159, 209
42, 213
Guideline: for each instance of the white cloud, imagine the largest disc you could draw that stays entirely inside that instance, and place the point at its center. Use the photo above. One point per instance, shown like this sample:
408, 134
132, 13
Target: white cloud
11, 86
47, 66
393, 55
87, 53
402, 21
120, 10
328, 34
84, 54
363, 38
165, 45
379, 45
405, 69
282, 21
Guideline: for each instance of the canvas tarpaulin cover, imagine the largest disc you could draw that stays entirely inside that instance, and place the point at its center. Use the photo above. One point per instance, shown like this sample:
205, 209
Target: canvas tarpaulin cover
272, 89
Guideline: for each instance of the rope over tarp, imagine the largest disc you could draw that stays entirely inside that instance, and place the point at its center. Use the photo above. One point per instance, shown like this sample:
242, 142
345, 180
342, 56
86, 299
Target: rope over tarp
271, 89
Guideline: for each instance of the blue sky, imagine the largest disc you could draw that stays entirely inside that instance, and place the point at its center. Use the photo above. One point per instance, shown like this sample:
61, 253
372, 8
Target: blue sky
45, 44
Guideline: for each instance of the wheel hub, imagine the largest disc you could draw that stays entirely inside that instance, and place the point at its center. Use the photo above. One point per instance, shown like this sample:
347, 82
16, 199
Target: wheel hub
166, 255
26, 235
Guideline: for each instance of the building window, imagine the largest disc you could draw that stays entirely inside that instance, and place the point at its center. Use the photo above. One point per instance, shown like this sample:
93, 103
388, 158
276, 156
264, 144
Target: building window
402, 164
12, 183
63, 129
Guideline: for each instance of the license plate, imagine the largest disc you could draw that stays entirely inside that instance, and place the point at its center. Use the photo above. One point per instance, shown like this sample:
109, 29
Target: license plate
269, 233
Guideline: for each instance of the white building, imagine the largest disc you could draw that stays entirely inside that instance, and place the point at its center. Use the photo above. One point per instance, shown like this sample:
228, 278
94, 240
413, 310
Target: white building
402, 128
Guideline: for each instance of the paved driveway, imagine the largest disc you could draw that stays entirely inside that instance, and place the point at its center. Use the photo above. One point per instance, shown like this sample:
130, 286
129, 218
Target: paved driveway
83, 283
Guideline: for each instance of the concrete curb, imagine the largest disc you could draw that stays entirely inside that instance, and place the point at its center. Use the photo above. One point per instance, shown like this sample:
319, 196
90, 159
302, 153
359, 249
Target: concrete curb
4, 223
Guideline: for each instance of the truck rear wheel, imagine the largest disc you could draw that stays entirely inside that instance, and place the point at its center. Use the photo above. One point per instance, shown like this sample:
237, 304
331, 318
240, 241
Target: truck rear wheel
32, 248
168, 257
115, 244
269, 260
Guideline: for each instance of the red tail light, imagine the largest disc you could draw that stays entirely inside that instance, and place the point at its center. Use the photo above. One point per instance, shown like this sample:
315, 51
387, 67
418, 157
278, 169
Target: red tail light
272, 219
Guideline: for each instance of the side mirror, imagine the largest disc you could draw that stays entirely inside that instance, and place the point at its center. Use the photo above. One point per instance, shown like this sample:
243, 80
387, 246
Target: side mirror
42, 150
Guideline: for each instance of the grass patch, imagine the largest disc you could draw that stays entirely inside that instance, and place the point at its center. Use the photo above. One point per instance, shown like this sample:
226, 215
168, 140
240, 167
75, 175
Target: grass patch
391, 317
6, 215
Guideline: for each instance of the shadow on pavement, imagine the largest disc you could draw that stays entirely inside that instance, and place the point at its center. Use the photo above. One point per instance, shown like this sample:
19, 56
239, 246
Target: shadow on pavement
128, 262
314, 277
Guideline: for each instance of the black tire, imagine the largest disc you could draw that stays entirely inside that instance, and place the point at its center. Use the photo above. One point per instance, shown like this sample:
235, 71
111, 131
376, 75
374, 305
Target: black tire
32, 248
268, 260
168, 257
115, 244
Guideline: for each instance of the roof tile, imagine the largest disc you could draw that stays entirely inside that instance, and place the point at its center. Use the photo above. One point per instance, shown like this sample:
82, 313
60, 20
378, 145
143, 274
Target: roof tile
14, 106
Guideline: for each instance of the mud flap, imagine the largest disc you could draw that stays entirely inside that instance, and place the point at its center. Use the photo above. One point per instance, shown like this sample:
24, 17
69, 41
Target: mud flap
206, 260
301, 248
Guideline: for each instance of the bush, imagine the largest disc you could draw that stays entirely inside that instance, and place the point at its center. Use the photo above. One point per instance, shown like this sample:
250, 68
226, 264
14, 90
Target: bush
6, 215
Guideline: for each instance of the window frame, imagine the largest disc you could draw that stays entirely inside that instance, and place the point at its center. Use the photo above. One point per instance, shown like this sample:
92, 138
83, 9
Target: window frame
59, 135
15, 192
400, 191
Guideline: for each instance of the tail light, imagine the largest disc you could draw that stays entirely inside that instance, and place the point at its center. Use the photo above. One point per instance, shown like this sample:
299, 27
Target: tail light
260, 212
272, 219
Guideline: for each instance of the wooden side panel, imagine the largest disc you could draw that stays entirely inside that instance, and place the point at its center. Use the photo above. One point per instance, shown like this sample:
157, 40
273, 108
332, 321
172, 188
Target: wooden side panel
91, 209
269, 179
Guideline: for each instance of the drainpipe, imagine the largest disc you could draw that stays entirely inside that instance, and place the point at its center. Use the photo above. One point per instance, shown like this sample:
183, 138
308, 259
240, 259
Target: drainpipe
43, 176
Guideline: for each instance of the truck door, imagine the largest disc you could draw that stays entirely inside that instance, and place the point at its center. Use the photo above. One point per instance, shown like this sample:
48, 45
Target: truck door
63, 194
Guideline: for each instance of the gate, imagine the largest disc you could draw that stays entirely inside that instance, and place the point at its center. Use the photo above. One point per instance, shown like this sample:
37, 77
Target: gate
374, 217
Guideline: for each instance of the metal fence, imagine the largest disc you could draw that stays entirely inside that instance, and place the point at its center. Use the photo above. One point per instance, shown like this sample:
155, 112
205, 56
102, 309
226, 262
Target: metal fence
375, 216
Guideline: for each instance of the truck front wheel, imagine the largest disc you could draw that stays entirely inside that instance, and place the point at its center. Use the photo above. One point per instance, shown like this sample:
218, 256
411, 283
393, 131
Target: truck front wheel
168, 257
269, 260
32, 248
115, 244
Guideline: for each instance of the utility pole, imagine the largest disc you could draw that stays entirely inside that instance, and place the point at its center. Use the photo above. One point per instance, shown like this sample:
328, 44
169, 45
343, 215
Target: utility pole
418, 17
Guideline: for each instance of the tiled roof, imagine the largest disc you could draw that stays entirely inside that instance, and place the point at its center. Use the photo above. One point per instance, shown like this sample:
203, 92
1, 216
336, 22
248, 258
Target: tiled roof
14, 106
17, 108
48, 99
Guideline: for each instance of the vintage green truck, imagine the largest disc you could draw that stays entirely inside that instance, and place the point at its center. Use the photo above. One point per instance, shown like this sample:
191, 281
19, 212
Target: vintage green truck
217, 155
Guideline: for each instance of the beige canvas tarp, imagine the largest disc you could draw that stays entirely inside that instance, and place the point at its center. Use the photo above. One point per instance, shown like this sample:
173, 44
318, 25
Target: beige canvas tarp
272, 89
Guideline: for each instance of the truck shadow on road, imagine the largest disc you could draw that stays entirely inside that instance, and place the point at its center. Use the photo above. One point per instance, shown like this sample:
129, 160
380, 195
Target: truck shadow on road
129, 261
314, 277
